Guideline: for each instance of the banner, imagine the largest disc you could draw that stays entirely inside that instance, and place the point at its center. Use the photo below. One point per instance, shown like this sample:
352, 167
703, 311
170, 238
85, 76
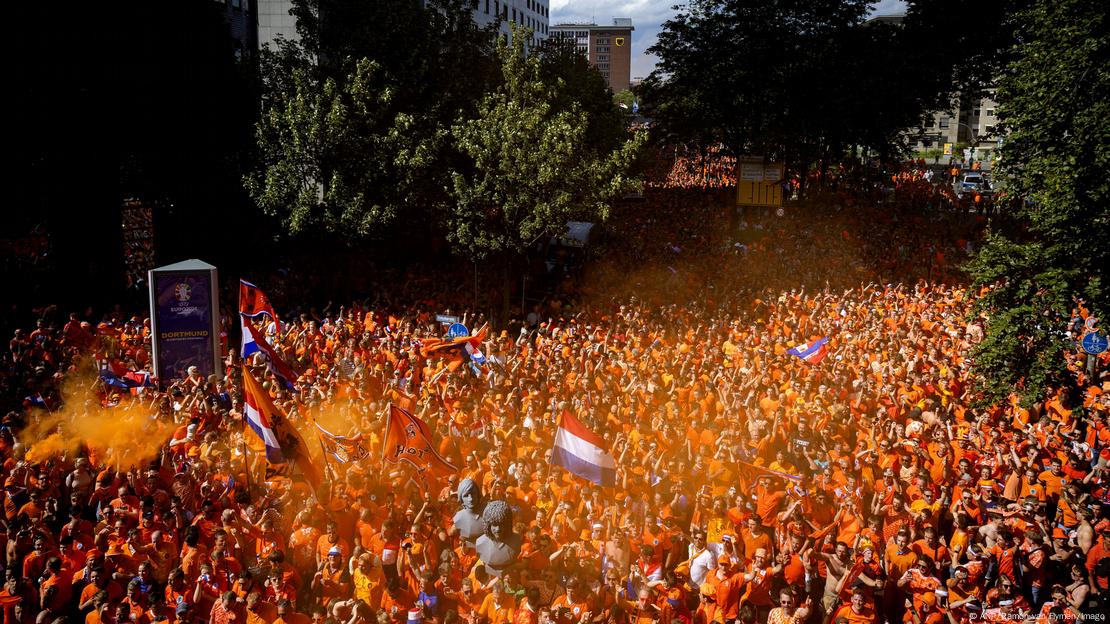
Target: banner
184, 313
407, 439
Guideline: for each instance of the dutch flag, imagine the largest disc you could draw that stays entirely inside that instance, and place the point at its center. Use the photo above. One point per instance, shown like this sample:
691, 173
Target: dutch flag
250, 347
583, 453
812, 352
254, 342
258, 408
472, 348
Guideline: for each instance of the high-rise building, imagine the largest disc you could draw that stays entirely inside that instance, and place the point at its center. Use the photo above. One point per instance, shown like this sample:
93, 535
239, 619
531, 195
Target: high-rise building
528, 13
609, 48
274, 18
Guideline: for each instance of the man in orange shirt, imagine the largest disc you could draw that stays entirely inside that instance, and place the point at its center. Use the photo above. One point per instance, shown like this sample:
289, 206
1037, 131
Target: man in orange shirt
927, 613
727, 583
755, 536
1054, 479
330, 540
769, 501
856, 611
56, 589
575, 606
759, 578
499, 607
396, 600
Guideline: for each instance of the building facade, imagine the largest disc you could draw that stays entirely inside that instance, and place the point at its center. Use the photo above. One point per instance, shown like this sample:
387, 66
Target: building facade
531, 14
609, 48
974, 128
274, 19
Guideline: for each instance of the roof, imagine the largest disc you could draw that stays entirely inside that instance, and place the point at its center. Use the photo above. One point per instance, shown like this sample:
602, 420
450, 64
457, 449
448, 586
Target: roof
186, 265
618, 23
889, 18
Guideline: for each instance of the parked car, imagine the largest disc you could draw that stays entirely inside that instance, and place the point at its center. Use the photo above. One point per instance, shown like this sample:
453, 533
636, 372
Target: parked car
972, 183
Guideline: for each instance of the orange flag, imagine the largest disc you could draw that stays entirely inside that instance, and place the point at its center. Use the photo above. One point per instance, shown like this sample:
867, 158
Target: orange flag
407, 439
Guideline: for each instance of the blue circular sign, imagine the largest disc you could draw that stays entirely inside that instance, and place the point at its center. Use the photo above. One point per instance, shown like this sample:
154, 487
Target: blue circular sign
457, 330
1094, 343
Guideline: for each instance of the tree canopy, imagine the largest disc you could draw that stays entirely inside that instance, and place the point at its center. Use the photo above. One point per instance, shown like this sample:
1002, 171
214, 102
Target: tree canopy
534, 163
1054, 107
356, 112
805, 80
398, 109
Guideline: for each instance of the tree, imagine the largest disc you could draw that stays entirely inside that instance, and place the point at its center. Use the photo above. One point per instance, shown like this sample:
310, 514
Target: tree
329, 152
581, 83
768, 78
530, 165
356, 113
626, 97
1054, 108
805, 81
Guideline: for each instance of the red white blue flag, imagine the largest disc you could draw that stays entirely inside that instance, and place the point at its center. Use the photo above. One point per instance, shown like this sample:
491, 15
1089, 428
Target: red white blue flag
811, 352
583, 452
254, 341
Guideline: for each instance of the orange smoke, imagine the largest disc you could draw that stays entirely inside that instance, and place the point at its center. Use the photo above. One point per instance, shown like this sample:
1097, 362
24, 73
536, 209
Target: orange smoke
124, 436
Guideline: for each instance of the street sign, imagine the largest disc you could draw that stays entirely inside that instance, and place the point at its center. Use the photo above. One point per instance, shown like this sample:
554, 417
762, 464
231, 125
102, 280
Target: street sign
447, 319
758, 184
1094, 343
457, 330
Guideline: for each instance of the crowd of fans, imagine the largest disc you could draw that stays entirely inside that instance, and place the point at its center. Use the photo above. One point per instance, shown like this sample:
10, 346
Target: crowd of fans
686, 169
752, 486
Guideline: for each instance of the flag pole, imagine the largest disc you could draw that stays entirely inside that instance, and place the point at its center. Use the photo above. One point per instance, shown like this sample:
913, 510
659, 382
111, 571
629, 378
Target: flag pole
551, 461
246, 460
327, 465
385, 435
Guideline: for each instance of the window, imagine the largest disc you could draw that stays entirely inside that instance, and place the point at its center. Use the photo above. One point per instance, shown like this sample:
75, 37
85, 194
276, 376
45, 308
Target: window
487, 7
990, 112
944, 123
603, 57
514, 14
603, 66
990, 129
497, 8
977, 112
